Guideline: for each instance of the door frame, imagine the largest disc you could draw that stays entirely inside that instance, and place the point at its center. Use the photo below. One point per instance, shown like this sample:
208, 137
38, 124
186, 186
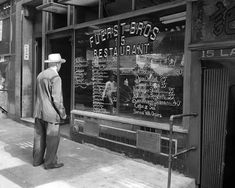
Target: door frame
217, 71
64, 34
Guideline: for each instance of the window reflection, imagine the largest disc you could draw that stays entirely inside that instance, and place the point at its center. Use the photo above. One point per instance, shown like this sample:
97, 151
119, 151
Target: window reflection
139, 76
3, 84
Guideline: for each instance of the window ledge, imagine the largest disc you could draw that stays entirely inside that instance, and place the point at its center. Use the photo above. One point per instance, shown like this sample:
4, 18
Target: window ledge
161, 126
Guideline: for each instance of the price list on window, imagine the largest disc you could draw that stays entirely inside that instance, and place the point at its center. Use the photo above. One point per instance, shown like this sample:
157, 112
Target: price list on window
98, 76
80, 73
154, 91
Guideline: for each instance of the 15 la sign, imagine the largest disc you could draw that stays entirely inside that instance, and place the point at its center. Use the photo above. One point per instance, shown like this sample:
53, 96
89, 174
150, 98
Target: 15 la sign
218, 53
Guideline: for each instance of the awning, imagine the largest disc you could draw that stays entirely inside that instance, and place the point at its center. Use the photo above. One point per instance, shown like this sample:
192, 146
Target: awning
53, 8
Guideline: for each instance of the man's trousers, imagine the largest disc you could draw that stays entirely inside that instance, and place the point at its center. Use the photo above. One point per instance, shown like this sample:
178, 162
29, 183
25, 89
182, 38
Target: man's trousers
46, 142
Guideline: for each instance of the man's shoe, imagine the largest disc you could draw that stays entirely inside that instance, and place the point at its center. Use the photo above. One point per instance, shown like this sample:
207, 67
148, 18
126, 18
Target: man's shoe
37, 164
56, 165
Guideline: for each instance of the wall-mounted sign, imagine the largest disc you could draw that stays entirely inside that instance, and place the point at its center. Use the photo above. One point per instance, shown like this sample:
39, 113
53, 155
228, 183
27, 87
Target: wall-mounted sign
0, 30
213, 20
223, 19
218, 53
26, 52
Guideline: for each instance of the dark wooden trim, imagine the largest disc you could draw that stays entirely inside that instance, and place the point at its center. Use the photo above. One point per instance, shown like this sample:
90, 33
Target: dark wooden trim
155, 125
68, 15
59, 34
212, 45
152, 9
139, 12
133, 5
100, 14
192, 99
65, 29
72, 70
187, 64
9, 54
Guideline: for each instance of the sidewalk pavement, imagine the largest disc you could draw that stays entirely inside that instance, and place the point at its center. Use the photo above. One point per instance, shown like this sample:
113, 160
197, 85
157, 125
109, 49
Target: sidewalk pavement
86, 166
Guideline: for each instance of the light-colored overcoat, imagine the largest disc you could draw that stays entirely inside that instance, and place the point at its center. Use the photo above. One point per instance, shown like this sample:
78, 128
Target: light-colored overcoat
49, 98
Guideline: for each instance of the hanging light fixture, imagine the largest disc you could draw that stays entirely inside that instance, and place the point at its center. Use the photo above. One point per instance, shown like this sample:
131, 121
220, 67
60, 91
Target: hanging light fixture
173, 18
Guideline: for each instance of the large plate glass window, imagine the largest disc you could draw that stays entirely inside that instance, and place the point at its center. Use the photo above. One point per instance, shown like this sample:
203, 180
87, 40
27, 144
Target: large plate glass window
151, 67
95, 68
4, 36
132, 68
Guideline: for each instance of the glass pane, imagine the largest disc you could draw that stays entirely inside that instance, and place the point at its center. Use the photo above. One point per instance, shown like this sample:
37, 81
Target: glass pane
3, 75
4, 36
142, 78
112, 7
86, 13
3, 84
140, 4
151, 68
59, 20
95, 68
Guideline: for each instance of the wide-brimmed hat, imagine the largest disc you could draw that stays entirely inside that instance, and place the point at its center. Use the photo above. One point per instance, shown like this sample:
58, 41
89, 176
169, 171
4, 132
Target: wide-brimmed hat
55, 58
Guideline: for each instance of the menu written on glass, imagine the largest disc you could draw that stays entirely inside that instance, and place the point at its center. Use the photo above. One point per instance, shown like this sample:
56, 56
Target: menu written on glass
154, 90
80, 73
101, 69
98, 76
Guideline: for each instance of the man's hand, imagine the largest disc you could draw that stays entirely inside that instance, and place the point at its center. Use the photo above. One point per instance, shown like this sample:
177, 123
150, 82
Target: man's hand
65, 120
64, 117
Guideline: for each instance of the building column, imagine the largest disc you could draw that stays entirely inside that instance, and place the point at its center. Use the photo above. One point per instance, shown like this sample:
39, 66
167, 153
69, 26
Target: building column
23, 63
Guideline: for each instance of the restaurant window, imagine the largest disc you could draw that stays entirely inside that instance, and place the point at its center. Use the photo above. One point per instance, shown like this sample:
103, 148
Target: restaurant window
5, 28
4, 36
131, 68
3, 82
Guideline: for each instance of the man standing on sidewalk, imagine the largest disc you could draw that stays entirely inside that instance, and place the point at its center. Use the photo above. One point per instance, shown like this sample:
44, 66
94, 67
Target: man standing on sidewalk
49, 110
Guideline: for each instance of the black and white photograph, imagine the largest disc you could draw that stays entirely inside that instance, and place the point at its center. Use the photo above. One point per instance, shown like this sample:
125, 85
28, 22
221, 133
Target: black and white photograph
117, 93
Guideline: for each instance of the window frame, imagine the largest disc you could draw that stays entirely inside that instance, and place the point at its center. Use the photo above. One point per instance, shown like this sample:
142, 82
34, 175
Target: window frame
118, 57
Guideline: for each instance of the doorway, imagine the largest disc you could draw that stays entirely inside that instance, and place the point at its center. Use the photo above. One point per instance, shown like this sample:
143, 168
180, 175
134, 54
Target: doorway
63, 46
229, 159
218, 120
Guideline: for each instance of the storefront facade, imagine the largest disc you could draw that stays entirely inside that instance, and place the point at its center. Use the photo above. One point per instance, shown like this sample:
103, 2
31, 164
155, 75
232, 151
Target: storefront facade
130, 66
128, 80
124, 76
